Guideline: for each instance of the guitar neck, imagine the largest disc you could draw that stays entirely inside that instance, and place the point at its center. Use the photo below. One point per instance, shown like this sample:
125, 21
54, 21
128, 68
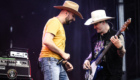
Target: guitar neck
105, 50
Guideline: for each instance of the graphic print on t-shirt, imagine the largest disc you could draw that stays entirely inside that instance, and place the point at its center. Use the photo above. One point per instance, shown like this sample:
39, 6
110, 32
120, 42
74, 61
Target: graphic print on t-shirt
98, 47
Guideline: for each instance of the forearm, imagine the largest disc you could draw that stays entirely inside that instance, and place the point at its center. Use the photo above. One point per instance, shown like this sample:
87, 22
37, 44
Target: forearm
48, 41
121, 51
51, 45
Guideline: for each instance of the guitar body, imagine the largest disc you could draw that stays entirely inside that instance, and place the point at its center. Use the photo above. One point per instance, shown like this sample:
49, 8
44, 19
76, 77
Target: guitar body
91, 74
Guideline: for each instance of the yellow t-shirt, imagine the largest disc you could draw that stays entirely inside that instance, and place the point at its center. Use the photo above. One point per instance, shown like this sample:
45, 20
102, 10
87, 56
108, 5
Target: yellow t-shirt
55, 27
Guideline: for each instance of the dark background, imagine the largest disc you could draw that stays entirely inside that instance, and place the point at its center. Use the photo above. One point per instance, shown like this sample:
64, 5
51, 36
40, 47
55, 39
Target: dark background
28, 18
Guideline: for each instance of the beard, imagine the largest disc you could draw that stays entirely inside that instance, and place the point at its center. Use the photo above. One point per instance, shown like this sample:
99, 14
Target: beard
68, 21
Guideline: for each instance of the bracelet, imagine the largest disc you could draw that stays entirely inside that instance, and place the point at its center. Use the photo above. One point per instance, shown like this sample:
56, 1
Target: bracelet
120, 48
65, 62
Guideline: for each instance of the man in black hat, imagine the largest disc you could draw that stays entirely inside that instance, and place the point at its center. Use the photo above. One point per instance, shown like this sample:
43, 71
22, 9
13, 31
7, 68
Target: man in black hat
53, 43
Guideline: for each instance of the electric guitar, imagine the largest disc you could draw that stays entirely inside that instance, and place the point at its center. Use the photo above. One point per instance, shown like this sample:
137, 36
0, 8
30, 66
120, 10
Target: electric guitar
95, 67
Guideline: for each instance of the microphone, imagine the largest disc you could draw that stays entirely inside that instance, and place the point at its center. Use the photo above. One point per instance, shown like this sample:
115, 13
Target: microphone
60, 61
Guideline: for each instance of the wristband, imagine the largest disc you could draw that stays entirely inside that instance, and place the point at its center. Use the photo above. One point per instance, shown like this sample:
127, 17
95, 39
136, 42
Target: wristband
120, 48
65, 62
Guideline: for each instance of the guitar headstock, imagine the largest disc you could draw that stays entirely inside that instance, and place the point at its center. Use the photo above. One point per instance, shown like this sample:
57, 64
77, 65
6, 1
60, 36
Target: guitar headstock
123, 28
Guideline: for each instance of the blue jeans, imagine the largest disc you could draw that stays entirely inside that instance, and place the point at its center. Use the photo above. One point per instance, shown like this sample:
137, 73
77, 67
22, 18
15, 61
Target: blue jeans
51, 70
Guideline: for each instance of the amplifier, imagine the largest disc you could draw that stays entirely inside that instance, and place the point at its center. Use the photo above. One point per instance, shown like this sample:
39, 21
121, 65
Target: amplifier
18, 54
22, 66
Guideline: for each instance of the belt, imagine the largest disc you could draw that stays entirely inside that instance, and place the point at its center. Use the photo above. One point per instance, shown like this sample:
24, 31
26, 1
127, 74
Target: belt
49, 59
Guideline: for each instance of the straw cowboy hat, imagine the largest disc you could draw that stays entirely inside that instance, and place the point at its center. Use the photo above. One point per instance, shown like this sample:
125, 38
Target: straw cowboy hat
97, 16
70, 6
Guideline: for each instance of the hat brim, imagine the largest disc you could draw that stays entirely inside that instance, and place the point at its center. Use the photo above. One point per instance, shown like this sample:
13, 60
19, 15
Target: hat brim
90, 21
69, 9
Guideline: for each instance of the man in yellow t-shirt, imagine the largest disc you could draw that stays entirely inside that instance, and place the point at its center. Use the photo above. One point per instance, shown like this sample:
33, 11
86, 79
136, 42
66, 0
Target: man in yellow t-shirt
53, 43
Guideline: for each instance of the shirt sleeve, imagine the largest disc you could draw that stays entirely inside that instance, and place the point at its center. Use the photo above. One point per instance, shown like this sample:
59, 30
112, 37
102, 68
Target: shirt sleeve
52, 27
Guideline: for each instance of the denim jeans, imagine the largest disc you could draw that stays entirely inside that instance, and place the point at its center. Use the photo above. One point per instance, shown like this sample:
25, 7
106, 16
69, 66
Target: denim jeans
51, 70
